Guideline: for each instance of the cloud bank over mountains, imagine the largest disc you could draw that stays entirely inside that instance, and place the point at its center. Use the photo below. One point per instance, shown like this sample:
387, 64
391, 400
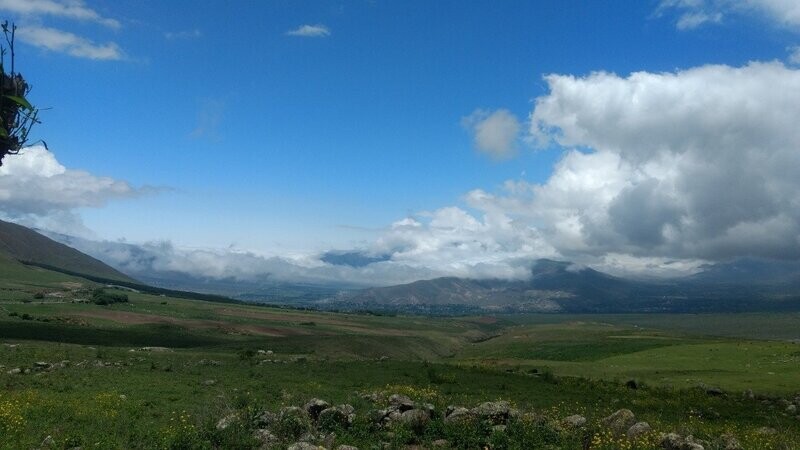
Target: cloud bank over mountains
661, 173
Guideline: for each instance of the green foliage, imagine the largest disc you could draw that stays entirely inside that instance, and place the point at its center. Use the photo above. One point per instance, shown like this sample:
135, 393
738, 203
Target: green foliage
103, 297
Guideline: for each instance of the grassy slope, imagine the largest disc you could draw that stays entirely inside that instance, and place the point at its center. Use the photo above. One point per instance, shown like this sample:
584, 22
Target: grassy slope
24, 244
334, 355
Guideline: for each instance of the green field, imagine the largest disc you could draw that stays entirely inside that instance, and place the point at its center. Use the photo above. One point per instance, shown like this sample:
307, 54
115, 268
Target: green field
102, 390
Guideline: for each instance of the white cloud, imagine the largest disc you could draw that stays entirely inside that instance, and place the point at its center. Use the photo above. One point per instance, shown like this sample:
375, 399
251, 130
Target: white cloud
310, 31
70, 9
692, 164
694, 13
64, 42
794, 54
495, 133
37, 190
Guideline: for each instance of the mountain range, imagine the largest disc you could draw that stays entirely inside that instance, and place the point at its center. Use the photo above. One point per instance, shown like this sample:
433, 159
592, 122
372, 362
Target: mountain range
553, 286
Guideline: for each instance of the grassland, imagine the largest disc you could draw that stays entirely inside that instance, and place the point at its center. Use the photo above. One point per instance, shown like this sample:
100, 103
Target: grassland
112, 393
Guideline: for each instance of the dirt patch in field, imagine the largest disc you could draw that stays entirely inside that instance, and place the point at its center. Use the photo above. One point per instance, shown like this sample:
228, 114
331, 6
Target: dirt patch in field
132, 318
299, 319
487, 320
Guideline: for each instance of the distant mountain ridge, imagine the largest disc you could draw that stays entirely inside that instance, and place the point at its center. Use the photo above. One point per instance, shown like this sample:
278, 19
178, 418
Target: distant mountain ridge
29, 247
559, 286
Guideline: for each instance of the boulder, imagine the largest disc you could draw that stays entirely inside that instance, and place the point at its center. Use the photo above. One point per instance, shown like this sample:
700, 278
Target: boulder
620, 421
674, 441
227, 421
416, 419
729, 442
264, 419
314, 407
791, 409
346, 447
305, 446
401, 402
573, 421
15, 371
340, 416
266, 438
457, 414
638, 429
293, 421
496, 413
440, 443
767, 431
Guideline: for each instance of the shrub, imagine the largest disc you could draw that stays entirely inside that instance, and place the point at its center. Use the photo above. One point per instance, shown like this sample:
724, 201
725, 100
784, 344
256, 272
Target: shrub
102, 297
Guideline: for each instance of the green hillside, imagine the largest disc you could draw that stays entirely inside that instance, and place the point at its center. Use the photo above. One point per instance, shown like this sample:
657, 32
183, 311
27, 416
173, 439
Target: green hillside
27, 246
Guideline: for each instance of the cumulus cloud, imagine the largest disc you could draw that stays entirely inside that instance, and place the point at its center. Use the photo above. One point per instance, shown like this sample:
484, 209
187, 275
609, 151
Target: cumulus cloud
71, 44
153, 259
794, 54
36, 189
310, 31
694, 13
494, 133
70, 9
691, 164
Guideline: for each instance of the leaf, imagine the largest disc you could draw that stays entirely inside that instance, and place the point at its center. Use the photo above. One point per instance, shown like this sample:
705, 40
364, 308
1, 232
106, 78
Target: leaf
20, 101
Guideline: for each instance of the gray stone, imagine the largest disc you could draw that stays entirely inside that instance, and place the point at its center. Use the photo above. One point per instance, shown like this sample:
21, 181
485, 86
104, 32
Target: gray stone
15, 371
227, 421
416, 419
315, 406
305, 446
457, 414
496, 413
440, 443
401, 402
620, 421
638, 429
346, 447
574, 421
266, 438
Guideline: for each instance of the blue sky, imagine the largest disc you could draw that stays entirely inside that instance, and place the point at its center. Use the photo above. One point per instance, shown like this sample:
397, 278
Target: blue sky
231, 130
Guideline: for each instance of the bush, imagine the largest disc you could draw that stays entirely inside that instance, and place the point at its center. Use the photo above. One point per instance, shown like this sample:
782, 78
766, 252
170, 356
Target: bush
39, 295
102, 297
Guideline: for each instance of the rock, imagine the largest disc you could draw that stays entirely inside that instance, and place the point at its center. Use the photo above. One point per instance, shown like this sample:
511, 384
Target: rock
632, 384
155, 349
574, 421
714, 391
729, 442
266, 438
340, 416
440, 443
401, 402
416, 419
305, 446
227, 421
346, 447
41, 365
315, 406
496, 413
457, 414
674, 441
620, 421
748, 394
48, 442
209, 382
383, 358
15, 371
791, 409
293, 421
264, 419
638, 429
499, 429
767, 431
